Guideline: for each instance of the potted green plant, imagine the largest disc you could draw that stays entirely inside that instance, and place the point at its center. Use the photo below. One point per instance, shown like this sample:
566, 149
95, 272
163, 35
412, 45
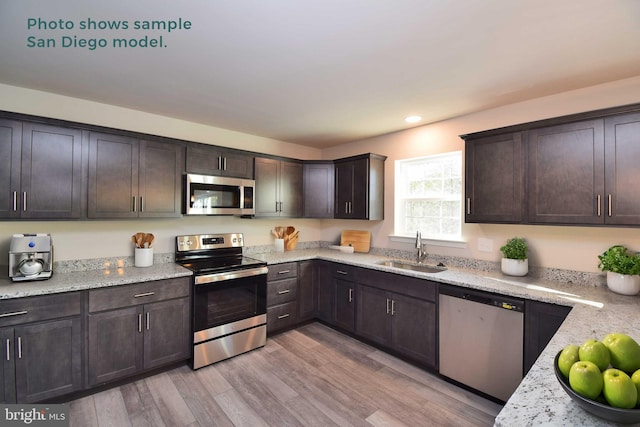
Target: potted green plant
623, 269
514, 257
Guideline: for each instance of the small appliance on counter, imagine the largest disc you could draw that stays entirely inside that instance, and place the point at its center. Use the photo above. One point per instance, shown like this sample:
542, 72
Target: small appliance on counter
30, 257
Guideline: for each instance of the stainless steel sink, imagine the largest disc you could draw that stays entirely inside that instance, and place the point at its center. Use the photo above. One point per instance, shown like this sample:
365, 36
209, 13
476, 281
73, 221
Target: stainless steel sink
405, 265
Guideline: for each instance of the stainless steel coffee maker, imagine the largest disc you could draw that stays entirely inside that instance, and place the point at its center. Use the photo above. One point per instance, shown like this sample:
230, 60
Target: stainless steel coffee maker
30, 257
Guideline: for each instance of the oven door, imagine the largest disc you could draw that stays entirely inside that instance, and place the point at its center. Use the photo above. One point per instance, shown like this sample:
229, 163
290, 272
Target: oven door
225, 303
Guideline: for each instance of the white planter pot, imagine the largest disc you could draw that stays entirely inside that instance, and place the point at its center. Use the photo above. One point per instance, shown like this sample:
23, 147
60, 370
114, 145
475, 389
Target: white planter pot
515, 267
623, 283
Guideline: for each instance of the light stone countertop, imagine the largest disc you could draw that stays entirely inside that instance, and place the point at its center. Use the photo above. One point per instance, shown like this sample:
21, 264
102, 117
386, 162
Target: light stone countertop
539, 400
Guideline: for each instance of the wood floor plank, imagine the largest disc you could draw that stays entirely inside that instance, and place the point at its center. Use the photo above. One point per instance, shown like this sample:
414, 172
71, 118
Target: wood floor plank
203, 406
382, 419
238, 411
211, 379
110, 409
170, 403
82, 413
140, 405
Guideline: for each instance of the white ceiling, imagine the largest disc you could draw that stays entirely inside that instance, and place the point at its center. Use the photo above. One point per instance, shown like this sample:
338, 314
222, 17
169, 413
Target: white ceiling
325, 72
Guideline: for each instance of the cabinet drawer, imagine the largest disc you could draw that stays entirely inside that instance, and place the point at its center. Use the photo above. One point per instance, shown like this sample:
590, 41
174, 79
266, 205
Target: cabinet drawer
282, 291
140, 293
282, 271
282, 316
343, 271
32, 309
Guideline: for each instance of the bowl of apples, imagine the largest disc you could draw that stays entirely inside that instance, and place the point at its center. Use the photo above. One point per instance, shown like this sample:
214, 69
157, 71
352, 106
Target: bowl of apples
603, 376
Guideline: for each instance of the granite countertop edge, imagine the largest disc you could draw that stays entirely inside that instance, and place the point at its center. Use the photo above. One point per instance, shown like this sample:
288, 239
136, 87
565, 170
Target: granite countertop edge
539, 400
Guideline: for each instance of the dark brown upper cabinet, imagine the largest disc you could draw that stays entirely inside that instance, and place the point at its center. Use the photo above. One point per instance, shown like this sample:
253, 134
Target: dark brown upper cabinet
210, 160
566, 173
278, 188
318, 189
131, 178
359, 184
41, 172
494, 167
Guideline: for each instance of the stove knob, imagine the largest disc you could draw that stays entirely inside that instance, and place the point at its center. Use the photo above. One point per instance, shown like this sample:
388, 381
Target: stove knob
32, 244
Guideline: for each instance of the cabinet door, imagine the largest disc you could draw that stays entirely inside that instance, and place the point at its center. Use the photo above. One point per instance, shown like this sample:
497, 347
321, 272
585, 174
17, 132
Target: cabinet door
267, 178
166, 332
7, 371
344, 184
361, 186
115, 344
494, 179
51, 176
566, 173
202, 159
113, 176
373, 315
307, 290
325, 291
414, 328
344, 305
318, 190
48, 359
622, 157
541, 321
10, 137
237, 164
290, 192
160, 179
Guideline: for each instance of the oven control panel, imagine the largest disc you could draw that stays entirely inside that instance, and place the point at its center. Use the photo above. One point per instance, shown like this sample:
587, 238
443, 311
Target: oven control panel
209, 241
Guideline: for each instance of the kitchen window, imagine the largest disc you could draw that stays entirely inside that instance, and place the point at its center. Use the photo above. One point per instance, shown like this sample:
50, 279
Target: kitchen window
428, 196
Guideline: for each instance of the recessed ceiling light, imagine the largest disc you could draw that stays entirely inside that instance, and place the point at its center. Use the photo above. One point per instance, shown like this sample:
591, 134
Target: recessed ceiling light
412, 119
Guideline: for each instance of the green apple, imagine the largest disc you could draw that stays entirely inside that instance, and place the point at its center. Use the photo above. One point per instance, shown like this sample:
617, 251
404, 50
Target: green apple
624, 351
596, 352
586, 379
618, 389
636, 380
568, 356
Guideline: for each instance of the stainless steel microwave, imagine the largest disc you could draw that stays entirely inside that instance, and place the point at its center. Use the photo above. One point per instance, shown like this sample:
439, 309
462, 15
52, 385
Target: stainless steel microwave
217, 195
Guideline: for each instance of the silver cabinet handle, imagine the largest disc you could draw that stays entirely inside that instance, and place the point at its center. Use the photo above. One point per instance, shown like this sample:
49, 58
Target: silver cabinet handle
609, 203
141, 204
341, 272
224, 164
13, 313
133, 203
145, 294
284, 272
8, 349
24, 201
148, 320
393, 307
350, 207
350, 294
388, 306
15, 201
598, 203
140, 322
284, 316
19, 347
346, 207
219, 162
468, 205
284, 291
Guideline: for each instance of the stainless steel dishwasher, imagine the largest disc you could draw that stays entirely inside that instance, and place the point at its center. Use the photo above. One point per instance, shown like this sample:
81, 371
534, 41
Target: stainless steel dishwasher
481, 340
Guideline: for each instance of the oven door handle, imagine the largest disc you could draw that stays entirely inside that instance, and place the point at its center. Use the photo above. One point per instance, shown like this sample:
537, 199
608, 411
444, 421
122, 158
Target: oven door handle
230, 275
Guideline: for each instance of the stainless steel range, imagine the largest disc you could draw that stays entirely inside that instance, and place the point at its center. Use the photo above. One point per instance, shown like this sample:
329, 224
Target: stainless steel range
229, 296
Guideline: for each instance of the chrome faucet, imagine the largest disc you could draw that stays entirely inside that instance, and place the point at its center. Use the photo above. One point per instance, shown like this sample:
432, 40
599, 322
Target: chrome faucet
421, 247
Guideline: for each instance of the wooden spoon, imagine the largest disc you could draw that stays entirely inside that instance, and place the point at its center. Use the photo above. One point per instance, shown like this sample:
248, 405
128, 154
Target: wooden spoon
148, 240
139, 239
134, 240
290, 230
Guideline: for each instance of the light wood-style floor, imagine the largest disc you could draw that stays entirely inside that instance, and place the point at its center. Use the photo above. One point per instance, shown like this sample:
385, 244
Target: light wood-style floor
311, 376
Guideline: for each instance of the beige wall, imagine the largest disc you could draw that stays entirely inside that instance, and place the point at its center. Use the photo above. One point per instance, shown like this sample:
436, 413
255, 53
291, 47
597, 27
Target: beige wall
573, 248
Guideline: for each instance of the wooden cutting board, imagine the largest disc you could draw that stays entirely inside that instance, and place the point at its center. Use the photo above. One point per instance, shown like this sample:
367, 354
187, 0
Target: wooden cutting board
359, 239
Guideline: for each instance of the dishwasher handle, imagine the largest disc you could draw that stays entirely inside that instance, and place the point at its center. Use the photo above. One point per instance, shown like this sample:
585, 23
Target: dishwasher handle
495, 300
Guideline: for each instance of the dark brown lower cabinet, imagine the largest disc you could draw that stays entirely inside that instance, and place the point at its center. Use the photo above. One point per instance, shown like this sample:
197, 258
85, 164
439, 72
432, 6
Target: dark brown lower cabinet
541, 322
42, 360
307, 290
129, 340
325, 291
344, 312
405, 325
